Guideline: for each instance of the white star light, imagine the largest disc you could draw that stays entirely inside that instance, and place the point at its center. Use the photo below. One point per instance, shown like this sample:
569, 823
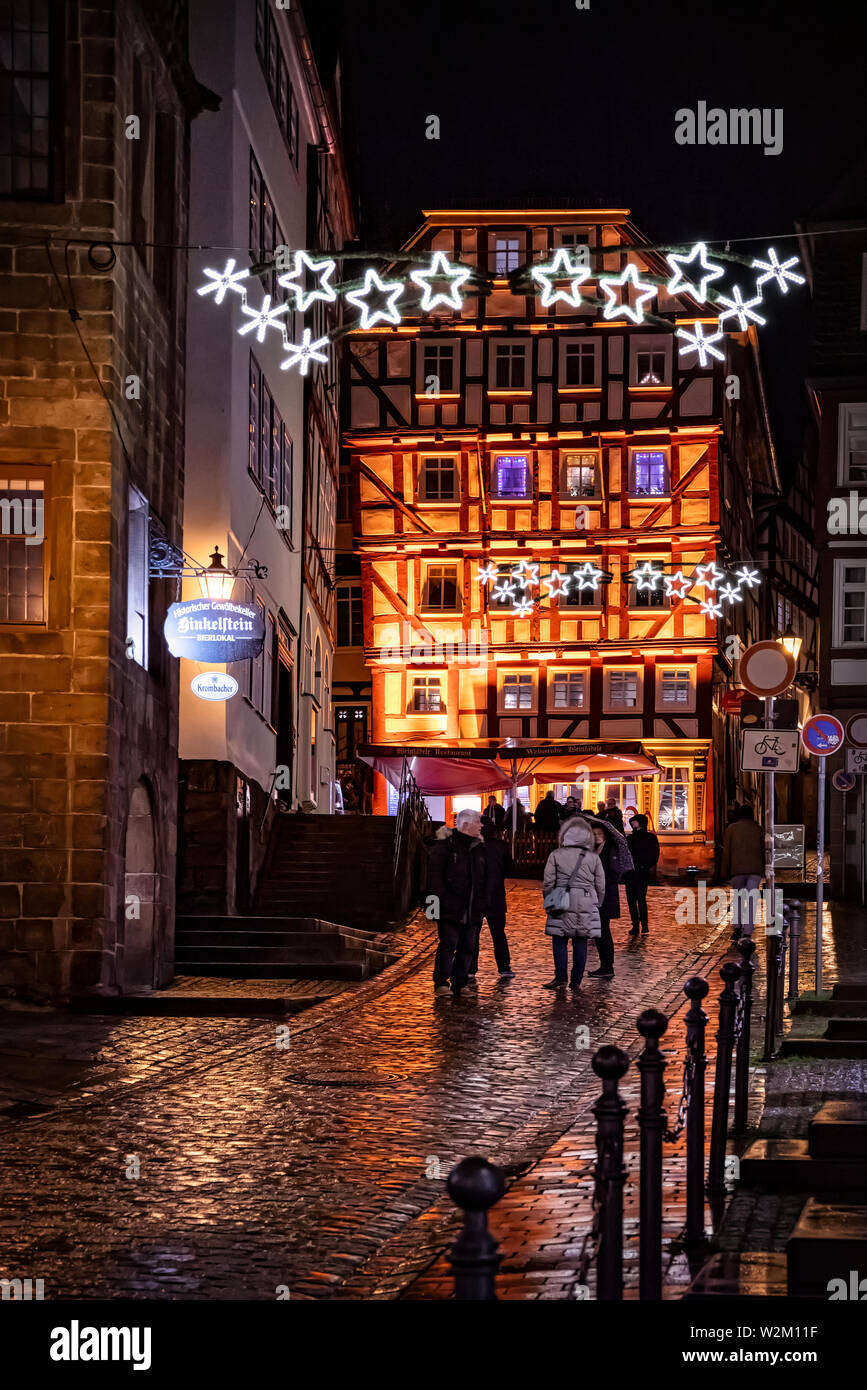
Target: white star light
523, 606
223, 280
741, 309
303, 353
609, 284
708, 575
646, 578
304, 298
263, 318
751, 578
697, 342
677, 584
392, 288
685, 283
440, 270
558, 584
525, 574
563, 267
588, 576
731, 593
774, 270
504, 590
711, 608
487, 574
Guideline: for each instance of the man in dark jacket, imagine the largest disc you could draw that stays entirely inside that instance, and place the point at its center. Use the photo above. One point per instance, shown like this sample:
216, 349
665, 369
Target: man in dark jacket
498, 867
493, 816
614, 815
457, 881
548, 815
644, 848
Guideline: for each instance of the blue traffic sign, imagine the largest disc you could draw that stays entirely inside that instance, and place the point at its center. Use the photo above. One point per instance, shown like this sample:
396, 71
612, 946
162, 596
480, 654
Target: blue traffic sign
822, 734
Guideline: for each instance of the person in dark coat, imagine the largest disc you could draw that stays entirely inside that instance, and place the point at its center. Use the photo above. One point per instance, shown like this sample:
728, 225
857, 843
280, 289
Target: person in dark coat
548, 815
613, 815
457, 881
644, 848
608, 908
498, 867
493, 816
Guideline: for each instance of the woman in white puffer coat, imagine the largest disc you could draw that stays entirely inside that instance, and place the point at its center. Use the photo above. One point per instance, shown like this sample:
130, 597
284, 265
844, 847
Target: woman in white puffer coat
576, 863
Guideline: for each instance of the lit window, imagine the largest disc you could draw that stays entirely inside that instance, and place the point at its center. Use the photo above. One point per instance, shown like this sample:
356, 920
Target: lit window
623, 689
650, 368
650, 598
22, 550
579, 364
649, 473
441, 590
510, 366
517, 692
853, 444
438, 480
675, 688
507, 255
511, 476
569, 689
438, 363
674, 799
580, 476
427, 695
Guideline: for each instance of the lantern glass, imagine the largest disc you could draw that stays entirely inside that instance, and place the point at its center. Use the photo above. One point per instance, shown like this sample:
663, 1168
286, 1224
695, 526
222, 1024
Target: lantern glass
216, 582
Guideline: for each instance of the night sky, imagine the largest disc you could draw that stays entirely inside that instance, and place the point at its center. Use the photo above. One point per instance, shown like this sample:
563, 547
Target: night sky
542, 101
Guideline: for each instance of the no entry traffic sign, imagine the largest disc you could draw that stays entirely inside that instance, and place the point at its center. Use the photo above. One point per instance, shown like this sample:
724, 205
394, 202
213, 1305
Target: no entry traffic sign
822, 734
856, 730
766, 669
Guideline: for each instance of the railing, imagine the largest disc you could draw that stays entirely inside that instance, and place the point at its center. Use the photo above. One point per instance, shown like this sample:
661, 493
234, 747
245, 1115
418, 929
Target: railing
476, 1185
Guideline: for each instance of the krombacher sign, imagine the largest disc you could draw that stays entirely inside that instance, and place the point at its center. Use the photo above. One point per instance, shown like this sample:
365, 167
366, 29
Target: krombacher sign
208, 630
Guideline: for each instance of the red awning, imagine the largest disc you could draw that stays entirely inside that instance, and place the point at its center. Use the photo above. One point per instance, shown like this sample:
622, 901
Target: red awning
452, 767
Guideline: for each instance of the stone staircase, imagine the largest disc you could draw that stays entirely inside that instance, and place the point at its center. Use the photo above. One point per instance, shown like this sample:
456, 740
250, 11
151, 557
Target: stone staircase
277, 948
844, 1033
335, 867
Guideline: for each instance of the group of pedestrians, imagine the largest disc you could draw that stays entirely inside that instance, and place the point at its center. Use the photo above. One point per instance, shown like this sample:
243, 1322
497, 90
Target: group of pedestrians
469, 863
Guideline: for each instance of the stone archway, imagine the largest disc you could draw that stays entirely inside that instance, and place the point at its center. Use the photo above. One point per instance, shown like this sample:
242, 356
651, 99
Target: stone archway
139, 910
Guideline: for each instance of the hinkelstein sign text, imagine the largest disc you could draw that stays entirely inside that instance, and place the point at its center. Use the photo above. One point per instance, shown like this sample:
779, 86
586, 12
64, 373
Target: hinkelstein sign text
205, 630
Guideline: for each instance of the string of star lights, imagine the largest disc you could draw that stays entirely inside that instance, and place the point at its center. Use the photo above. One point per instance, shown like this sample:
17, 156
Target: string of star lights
514, 584
566, 278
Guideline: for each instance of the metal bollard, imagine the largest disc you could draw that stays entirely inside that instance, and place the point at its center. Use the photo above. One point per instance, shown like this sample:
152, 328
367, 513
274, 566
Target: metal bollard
610, 1064
772, 976
746, 947
695, 990
796, 926
728, 1000
652, 1123
781, 970
474, 1186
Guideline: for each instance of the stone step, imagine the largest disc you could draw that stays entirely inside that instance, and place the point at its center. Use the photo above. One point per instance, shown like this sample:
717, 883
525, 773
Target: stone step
849, 1028
190, 955
786, 1165
850, 991
829, 1240
829, 1008
838, 1130
317, 944
822, 1047
255, 969
740, 1274
284, 923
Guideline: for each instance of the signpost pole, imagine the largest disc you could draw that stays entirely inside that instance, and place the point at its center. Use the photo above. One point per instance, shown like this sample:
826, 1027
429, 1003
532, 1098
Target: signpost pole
820, 873
845, 843
863, 839
770, 879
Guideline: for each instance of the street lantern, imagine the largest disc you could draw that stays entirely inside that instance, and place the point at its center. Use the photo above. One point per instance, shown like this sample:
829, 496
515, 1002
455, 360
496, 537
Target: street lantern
216, 582
791, 642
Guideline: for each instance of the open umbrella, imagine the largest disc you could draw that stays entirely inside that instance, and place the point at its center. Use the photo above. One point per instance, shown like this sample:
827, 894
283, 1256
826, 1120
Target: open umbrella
621, 859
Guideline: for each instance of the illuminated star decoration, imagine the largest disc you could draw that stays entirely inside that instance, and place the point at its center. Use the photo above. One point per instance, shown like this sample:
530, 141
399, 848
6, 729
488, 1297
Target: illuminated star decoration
487, 574
751, 578
563, 267
263, 318
774, 270
588, 576
558, 584
323, 269
525, 574
609, 284
708, 576
504, 590
697, 342
731, 593
303, 353
741, 309
523, 606
223, 280
711, 608
685, 283
677, 584
392, 289
440, 270
646, 578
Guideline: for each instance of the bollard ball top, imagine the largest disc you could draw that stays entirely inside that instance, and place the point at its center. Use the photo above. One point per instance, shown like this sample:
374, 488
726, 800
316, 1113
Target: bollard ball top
696, 987
730, 971
651, 1023
610, 1063
475, 1184
746, 946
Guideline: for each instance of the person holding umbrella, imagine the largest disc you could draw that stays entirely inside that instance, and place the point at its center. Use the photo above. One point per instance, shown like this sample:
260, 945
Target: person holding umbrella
616, 861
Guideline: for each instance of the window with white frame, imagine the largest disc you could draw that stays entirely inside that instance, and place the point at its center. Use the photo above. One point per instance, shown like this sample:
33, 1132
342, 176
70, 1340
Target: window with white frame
438, 480
137, 578
427, 695
511, 477
507, 255
852, 444
622, 689
438, 368
580, 364
645, 597
441, 593
577, 241
569, 690
850, 604
648, 473
675, 689
580, 475
510, 366
518, 691
674, 799
650, 368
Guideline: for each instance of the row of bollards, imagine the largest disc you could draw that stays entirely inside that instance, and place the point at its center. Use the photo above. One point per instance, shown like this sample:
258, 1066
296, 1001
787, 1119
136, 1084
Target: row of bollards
475, 1185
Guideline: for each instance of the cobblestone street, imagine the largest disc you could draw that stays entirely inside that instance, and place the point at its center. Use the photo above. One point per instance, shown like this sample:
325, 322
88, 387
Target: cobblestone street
305, 1167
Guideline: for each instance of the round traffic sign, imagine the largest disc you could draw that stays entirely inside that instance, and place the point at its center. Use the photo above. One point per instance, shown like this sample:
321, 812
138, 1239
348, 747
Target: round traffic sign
822, 734
843, 781
766, 669
856, 730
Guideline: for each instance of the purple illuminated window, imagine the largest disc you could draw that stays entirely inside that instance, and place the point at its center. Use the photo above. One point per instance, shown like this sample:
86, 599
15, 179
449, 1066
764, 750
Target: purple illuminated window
649, 474
511, 475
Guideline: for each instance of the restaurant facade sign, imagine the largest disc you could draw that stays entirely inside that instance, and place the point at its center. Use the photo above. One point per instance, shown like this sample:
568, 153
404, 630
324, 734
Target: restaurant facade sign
210, 630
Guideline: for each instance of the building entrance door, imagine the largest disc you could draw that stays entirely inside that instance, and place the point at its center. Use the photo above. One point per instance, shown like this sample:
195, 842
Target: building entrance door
139, 894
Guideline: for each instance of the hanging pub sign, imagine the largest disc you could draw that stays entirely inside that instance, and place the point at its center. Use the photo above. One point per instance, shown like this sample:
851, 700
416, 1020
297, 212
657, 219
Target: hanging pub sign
212, 630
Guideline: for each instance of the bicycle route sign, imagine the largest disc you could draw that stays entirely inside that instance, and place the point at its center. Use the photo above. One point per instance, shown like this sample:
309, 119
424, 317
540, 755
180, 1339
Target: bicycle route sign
769, 750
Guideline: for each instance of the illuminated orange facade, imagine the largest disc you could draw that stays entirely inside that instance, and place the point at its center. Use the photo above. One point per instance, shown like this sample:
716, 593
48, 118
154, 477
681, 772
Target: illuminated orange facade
506, 432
